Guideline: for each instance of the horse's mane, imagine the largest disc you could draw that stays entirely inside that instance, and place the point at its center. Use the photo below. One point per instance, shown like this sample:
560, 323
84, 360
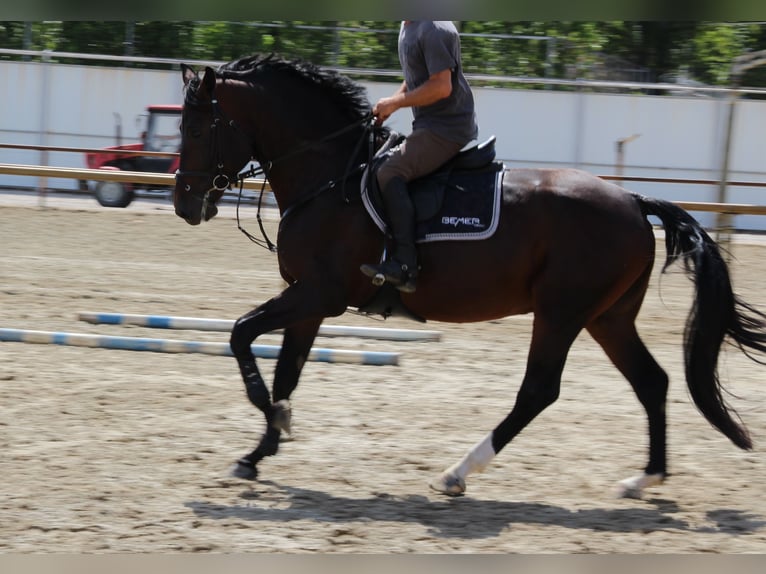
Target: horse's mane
349, 95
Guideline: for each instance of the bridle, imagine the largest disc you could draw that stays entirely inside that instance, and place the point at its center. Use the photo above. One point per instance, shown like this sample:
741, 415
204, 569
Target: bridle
221, 181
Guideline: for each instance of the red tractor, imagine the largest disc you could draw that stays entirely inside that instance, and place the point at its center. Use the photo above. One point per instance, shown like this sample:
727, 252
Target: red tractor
160, 135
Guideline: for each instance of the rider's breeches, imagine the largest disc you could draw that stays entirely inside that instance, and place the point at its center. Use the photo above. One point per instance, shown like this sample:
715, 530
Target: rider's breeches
421, 153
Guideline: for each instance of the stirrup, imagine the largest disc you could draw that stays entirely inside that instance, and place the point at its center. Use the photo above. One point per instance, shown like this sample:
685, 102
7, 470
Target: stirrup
393, 272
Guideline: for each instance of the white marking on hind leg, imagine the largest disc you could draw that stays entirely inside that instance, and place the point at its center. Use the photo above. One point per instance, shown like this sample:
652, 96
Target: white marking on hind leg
452, 480
633, 487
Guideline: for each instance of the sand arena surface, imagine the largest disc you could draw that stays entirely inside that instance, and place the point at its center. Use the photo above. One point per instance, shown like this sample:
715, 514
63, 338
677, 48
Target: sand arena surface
115, 451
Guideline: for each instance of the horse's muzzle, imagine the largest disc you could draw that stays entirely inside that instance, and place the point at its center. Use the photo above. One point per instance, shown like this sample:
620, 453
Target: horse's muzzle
189, 220
194, 216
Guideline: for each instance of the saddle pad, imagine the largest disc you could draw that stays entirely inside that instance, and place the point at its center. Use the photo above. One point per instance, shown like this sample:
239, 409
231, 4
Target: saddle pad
470, 210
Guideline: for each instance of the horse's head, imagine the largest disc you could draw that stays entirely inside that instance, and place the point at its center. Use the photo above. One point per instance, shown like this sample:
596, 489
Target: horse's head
212, 150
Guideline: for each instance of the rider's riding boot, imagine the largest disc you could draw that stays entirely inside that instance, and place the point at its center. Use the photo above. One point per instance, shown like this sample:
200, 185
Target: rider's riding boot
401, 269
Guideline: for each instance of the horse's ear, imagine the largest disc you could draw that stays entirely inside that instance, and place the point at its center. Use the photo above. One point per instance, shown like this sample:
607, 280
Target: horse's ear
188, 73
208, 80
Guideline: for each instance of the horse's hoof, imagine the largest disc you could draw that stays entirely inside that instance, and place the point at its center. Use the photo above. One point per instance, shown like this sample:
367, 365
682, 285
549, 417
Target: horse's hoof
282, 416
628, 491
244, 470
449, 484
634, 486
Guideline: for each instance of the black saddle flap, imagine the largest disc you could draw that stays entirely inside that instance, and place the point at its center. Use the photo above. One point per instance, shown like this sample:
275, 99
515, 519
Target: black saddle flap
427, 192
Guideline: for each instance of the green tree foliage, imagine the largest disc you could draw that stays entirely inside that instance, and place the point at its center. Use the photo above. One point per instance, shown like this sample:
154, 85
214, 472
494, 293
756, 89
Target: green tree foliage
163, 39
92, 37
715, 47
12, 35
638, 51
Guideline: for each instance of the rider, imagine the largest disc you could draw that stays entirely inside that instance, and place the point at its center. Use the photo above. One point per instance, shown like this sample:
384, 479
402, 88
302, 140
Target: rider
444, 120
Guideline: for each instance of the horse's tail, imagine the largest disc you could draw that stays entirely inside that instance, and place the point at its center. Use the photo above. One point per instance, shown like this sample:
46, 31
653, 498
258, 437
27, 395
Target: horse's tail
716, 313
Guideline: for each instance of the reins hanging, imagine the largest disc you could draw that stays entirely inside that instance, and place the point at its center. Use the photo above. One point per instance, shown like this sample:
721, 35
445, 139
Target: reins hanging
265, 242
367, 122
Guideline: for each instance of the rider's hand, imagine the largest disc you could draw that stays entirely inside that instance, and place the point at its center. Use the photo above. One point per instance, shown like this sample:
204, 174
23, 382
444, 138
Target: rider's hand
383, 109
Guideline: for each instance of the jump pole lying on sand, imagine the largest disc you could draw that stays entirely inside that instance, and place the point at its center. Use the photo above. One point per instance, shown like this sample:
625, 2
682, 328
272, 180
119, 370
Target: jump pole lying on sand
174, 346
225, 325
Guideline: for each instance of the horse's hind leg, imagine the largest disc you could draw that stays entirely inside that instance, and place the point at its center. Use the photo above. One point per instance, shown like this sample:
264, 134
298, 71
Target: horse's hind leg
551, 340
616, 332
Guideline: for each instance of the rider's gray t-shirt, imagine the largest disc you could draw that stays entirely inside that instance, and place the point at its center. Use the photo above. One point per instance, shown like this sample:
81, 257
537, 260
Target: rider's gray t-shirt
426, 48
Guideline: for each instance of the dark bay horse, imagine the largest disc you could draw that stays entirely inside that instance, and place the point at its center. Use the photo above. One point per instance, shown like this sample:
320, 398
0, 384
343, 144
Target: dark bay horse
571, 248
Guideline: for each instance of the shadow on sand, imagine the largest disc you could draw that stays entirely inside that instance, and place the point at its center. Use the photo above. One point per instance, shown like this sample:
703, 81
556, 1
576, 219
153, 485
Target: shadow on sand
462, 517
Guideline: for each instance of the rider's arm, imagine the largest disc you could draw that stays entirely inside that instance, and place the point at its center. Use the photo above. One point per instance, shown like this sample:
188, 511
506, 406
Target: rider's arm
437, 87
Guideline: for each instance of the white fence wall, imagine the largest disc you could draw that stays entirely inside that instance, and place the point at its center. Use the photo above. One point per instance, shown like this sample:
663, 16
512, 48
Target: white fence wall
678, 136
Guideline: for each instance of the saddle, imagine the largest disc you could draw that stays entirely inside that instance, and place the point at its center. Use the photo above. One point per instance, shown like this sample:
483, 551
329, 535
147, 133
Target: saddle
460, 200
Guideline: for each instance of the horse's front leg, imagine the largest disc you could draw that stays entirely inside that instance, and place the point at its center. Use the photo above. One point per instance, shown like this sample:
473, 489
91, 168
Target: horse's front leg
299, 335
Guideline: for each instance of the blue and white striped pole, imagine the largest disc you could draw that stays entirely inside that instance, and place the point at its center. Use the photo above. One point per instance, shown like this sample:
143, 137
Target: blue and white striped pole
225, 325
319, 354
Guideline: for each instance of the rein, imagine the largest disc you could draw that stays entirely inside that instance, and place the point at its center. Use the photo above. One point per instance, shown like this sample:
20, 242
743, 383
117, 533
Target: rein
265, 242
367, 121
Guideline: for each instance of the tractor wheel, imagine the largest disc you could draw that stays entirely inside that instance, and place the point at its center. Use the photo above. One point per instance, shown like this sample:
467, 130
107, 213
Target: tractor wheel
113, 194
